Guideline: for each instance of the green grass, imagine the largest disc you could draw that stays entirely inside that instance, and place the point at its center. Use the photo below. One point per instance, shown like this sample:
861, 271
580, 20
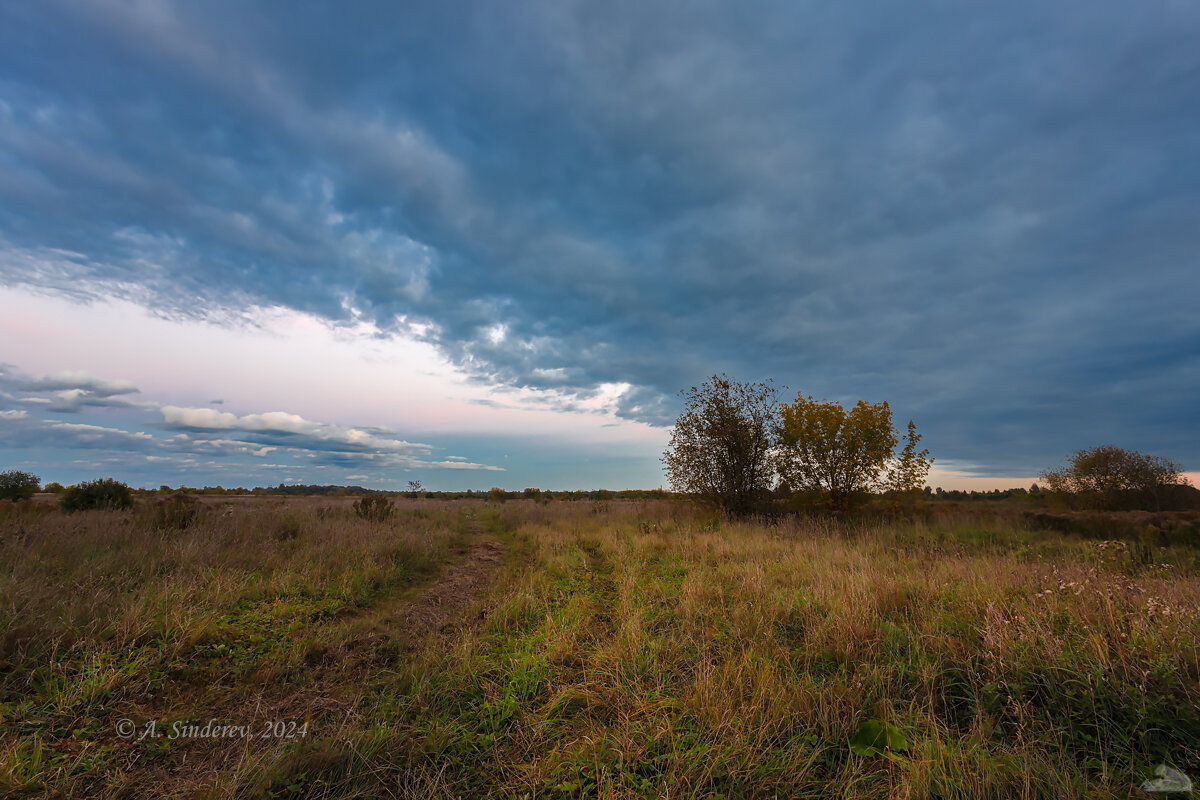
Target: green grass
623, 649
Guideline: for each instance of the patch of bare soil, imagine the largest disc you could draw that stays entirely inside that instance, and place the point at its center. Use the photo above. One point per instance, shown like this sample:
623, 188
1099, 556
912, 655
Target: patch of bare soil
461, 586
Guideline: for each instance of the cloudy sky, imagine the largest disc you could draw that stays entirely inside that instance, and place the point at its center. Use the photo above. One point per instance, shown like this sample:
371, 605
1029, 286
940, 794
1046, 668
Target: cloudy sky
487, 244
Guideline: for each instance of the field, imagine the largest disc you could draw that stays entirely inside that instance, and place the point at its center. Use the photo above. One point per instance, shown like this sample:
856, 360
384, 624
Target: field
583, 649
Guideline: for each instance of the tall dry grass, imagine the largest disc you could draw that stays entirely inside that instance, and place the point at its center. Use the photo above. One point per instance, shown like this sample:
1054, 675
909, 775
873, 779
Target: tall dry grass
626, 649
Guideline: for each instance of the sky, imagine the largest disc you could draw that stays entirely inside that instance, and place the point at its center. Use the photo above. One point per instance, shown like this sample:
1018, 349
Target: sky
488, 244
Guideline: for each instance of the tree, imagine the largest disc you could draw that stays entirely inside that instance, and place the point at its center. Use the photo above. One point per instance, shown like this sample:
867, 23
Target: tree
844, 454
721, 444
1104, 476
17, 485
908, 472
1150, 475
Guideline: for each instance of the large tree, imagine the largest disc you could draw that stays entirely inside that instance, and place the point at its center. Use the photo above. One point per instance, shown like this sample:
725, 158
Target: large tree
844, 454
720, 449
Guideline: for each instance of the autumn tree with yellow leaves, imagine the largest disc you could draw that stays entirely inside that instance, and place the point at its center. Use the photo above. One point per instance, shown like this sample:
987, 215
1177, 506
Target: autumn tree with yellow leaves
843, 454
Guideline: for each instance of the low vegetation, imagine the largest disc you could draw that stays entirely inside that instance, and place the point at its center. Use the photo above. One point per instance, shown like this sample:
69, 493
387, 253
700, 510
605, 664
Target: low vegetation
103, 493
18, 485
595, 649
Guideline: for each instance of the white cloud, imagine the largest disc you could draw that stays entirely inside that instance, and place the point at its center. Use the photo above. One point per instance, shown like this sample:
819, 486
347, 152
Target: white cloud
81, 382
285, 423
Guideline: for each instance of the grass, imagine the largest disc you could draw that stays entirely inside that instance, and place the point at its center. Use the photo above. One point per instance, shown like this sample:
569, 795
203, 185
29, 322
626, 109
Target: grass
623, 649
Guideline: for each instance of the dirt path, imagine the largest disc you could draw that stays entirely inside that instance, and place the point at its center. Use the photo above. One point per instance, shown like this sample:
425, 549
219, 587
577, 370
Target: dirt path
463, 584
335, 676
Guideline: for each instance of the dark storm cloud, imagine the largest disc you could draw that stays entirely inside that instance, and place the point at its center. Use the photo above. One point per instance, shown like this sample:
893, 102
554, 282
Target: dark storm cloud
985, 215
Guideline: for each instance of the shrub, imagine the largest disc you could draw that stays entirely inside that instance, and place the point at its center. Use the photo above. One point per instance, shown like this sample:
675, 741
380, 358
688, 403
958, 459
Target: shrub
289, 526
178, 512
375, 507
17, 485
1109, 478
104, 493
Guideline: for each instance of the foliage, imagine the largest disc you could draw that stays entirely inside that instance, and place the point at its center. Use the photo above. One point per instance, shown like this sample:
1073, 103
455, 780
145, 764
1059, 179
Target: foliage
876, 738
54, 487
17, 485
720, 446
104, 493
843, 454
1108, 477
375, 507
908, 472
178, 512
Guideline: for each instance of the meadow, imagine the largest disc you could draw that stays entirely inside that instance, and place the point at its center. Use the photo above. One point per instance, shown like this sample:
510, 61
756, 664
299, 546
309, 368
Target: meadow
559, 649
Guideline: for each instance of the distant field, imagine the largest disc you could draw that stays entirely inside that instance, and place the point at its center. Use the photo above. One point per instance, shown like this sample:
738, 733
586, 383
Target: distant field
586, 649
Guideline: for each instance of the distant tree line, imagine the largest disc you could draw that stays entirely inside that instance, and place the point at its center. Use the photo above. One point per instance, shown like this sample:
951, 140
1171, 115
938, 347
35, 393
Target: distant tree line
740, 450
736, 447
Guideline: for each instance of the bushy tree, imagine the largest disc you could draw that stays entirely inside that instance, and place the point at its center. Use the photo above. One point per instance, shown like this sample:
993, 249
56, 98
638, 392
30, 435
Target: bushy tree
17, 485
1104, 477
1152, 475
721, 444
838, 453
842, 455
104, 493
908, 472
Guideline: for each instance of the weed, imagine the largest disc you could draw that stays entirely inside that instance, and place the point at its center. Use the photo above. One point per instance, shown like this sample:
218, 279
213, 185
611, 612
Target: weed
374, 507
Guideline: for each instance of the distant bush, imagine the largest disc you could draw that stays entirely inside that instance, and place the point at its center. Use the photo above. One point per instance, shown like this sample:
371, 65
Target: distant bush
17, 485
496, 495
1110, 478
104, 493
289, 526
375, 507
178, 512
54, 487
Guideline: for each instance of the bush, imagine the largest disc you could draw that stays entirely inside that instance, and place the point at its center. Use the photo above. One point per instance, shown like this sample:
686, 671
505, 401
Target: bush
375, 507
1109, 478
104, 493
17, 485
288, 527
178, 512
